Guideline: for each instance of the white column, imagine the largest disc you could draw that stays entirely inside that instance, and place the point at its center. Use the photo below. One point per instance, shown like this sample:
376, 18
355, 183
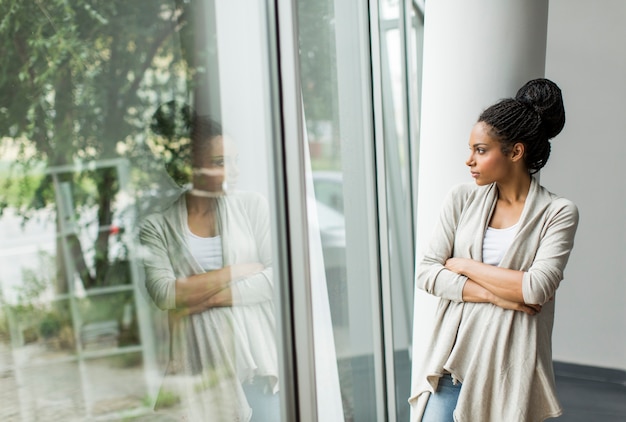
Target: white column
475, 53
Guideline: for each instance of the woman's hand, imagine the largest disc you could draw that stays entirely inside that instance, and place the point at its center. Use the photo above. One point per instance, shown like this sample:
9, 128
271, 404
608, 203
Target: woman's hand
514, 306
457, 265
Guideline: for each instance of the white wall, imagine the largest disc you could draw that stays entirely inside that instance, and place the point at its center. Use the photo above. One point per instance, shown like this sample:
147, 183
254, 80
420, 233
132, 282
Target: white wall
586, 56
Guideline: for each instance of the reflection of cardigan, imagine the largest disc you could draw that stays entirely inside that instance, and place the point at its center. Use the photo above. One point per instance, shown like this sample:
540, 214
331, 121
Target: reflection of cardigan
502, 357
238, 340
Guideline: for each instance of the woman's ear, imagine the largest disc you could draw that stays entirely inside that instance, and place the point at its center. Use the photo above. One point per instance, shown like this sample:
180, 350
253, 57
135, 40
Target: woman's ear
517, 152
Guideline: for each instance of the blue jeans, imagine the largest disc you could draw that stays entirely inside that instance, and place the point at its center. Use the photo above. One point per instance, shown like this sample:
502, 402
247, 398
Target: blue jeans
441, 404
265, 405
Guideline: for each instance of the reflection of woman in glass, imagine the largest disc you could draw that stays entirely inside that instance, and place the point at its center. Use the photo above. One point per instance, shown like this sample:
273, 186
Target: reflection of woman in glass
496, 259
209, 263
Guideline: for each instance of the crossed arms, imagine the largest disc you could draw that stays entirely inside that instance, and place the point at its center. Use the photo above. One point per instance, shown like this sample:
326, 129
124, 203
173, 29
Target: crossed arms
490, 284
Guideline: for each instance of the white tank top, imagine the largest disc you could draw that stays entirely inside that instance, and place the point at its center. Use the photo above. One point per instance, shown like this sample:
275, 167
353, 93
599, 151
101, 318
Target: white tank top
496, 243
206, 250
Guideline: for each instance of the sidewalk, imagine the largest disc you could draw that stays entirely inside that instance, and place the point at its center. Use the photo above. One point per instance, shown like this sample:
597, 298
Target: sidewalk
59, 390
9, 411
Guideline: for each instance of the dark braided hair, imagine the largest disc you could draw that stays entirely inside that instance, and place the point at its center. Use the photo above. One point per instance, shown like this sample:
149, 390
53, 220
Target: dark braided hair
533, 117
185, 136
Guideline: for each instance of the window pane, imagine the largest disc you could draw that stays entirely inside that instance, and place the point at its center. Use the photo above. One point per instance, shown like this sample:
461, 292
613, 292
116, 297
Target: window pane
136, 265
400, 32
335, 79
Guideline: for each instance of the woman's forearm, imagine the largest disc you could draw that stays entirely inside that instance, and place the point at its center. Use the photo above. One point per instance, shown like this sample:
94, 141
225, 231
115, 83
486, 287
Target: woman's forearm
222, 298
200, 288
474, 292
502, 282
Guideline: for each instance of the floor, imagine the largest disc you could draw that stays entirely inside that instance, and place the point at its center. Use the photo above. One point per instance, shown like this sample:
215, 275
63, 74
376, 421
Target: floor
591, 394
587, 394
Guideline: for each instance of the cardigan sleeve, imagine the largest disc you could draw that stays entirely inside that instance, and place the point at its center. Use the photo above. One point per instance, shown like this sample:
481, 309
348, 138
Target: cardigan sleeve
431, 275
258, 287
540, 282
252, 290
160, 277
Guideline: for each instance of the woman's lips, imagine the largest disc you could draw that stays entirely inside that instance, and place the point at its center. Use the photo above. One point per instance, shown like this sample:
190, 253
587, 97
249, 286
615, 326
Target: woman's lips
474, 174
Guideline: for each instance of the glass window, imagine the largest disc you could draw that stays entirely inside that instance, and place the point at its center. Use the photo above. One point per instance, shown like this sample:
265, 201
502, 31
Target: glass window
147, 264
329, 189
136, 263
336, 92
400, 26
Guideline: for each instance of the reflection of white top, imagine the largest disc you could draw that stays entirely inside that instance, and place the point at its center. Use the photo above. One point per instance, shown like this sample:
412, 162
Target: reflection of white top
496, 243
206, 250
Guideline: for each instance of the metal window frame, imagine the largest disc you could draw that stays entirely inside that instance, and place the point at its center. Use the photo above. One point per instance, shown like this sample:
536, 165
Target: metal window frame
291, 243
360, 125
383, 218
294, 304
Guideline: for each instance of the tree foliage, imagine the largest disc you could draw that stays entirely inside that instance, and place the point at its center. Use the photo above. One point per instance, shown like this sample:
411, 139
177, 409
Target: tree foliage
318, 59
78, 81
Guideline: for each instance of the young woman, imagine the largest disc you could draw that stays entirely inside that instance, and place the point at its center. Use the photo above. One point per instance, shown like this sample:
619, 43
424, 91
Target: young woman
208, 262
496, 259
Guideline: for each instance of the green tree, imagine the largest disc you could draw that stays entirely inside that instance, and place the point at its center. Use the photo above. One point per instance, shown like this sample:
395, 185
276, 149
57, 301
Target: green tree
318, 58
77, 80
318, 72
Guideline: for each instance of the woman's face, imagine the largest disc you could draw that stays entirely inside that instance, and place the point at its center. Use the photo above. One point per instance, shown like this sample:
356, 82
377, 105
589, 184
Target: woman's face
218, 170
487, 162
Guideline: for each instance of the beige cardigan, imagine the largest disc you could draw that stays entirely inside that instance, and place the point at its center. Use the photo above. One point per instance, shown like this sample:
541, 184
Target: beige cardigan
215, 351
502, 357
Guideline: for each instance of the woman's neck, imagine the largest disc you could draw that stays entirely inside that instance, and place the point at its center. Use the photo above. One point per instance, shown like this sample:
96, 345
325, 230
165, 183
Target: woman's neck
198, 205
514, 190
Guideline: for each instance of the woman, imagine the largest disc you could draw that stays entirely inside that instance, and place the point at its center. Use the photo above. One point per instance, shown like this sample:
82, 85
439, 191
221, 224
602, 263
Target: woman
495, 260
208, 262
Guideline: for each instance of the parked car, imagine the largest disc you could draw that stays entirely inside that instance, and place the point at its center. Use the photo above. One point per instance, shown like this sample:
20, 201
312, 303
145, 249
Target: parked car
328, 186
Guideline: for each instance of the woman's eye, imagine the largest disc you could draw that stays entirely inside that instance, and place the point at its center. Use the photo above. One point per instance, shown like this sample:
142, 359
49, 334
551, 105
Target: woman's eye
480, 150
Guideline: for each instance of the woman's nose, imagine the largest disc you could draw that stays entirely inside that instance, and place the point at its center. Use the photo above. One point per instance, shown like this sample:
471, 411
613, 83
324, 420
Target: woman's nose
469, 160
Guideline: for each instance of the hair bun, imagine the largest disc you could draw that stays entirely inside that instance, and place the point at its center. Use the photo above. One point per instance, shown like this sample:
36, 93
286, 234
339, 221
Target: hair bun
545, 97
171, 120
